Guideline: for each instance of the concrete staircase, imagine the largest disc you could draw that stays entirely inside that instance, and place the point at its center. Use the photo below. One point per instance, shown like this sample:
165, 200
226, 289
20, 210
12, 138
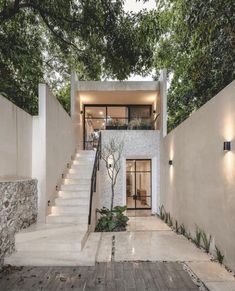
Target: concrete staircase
60, 242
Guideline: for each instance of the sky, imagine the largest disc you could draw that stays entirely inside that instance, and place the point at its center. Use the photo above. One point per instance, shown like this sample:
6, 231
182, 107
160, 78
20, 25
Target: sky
132, 5
136, 6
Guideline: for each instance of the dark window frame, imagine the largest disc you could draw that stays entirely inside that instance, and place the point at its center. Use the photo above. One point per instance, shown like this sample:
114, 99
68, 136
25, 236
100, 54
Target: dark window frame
106, 114
150, 171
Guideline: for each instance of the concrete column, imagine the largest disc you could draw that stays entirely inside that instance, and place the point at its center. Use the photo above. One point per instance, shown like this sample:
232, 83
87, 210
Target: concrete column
163, 102
76, 109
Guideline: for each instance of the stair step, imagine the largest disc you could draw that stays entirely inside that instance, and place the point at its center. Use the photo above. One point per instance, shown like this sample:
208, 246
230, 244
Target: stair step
75, 187
78, 209
71, 201
56, 242
86, 257
36, 231
84, 156
61, 219
79, 175
82, 161
80, 181
74, 194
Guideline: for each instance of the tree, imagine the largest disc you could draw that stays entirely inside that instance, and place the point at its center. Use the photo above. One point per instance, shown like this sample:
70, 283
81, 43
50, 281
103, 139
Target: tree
197, 46
41, 41
111, 154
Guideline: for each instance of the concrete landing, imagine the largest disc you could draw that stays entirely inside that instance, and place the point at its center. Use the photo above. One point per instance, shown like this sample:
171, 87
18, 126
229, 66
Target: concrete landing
64, 257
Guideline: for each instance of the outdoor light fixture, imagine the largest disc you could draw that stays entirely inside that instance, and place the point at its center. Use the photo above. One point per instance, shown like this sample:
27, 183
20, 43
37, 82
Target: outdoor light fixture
154, 111
170, 162
81, 112
227, 145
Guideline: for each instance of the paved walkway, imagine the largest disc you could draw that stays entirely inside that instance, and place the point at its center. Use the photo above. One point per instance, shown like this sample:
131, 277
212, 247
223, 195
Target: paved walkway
150, 239
149, 251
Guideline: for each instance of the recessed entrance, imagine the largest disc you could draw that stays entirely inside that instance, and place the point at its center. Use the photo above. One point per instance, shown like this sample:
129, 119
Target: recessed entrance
138, 184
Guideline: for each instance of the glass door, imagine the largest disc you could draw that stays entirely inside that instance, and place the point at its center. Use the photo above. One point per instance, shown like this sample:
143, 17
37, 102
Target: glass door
138, 184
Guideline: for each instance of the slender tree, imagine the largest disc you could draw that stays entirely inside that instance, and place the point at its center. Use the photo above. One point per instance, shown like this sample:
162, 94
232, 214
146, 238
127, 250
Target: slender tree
111, 154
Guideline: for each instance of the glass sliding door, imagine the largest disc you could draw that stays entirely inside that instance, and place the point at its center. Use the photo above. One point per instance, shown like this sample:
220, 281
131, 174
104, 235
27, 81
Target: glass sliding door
138, 184
99, 117
94, 121
139, 111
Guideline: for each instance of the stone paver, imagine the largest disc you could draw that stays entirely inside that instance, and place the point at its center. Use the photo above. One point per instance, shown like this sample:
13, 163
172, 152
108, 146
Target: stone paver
213, 275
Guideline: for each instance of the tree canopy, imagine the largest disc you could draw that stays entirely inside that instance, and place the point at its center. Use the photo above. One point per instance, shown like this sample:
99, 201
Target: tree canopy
197, 46
41, 41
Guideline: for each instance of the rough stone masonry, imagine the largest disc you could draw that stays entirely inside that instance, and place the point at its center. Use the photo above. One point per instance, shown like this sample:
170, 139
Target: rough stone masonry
18, 210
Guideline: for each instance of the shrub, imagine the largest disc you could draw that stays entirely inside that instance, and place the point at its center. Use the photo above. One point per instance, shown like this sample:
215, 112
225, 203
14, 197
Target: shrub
206, 241
113, 220
182, 229
197, 239
219, 255
162, 212
176, 227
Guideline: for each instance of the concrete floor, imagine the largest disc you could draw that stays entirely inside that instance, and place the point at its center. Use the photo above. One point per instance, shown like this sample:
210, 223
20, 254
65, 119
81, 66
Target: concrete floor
150, 239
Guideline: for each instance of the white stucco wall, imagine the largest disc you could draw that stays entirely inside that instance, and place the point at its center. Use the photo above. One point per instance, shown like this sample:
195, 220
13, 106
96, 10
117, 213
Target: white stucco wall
200, 186
15, 142
138, 144
54, 143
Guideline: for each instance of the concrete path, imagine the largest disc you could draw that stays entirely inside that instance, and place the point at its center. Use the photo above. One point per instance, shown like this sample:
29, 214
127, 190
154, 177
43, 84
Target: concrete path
150, 239
147, 239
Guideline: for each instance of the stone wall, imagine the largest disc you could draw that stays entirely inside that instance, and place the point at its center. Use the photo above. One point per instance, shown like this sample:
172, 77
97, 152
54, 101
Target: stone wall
18, 209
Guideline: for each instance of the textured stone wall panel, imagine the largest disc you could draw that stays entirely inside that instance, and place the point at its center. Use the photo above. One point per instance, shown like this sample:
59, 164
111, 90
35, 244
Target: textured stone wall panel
138, 144
18, 210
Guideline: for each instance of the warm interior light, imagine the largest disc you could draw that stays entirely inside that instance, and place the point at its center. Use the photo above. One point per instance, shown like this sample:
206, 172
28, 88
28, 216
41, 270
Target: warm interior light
227, 145
101, 113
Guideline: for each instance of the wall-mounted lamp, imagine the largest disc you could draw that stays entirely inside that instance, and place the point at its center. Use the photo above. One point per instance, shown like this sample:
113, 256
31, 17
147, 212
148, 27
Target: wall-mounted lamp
170, 162
227, 145
81, 112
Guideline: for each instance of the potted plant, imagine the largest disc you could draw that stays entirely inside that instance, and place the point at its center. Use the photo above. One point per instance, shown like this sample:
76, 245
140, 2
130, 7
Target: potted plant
139, 123
115, 124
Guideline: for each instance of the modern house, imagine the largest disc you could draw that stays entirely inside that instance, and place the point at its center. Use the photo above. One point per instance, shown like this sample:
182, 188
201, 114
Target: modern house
63, 155
51, 169
130, 112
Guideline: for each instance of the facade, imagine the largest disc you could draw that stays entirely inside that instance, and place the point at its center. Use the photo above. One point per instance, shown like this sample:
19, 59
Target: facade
189, 171
131, 112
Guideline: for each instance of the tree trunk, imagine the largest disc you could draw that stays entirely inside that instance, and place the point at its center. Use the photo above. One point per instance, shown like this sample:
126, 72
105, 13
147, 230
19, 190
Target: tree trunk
112, 198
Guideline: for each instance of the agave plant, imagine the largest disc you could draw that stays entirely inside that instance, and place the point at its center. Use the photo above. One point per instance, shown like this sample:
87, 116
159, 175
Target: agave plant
219, 255
182, 229
162, 212
177, 229
197, 239
206, 241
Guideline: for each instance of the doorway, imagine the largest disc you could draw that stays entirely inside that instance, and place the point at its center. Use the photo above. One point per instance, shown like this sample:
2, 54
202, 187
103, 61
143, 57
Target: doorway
138, 184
